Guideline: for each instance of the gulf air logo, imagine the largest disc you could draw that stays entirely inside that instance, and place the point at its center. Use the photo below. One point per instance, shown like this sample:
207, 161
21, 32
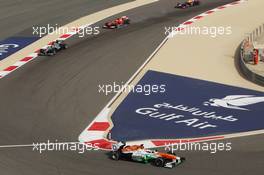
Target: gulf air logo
4, 48
238, 102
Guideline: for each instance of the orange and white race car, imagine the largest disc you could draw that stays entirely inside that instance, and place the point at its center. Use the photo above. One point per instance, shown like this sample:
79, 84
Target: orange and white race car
138, 153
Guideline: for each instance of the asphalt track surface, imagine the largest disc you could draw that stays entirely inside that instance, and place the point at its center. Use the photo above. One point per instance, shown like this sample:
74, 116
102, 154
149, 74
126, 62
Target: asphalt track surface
18, 17
55, 98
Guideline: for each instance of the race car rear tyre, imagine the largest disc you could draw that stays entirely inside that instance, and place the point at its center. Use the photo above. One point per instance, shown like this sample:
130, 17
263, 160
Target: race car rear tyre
115, 155
53, 52
64, 46
159, 162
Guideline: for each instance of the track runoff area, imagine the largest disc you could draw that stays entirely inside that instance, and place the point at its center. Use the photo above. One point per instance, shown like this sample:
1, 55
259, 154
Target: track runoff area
164, 109
173, 112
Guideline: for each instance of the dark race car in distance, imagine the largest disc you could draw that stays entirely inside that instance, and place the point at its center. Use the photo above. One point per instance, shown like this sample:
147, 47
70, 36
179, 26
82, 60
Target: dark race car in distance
187, 4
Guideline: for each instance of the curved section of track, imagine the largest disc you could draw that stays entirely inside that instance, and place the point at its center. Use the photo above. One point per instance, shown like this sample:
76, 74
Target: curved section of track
56, 97
17, 17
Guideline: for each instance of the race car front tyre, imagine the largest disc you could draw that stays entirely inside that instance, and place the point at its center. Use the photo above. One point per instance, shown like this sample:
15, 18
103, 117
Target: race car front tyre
182, 159
127, 21
159, 162
115, 155
197, 3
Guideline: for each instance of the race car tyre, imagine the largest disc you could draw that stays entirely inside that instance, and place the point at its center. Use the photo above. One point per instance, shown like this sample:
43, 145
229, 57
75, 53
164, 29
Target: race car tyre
159, 162
127, 21
115, 155
64, 46
183, 159
53, 52
196, 2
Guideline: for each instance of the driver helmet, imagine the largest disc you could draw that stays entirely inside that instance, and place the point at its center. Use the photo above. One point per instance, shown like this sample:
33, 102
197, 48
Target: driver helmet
124, 17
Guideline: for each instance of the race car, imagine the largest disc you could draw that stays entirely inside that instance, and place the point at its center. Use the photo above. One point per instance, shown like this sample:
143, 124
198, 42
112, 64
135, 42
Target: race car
53, 48
117, 23
187, 4
138, 153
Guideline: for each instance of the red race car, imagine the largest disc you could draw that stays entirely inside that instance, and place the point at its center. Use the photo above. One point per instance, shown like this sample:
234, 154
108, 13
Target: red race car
117, 23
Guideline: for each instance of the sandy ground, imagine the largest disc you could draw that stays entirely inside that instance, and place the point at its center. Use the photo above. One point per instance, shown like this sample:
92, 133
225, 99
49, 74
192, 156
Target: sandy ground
206, 57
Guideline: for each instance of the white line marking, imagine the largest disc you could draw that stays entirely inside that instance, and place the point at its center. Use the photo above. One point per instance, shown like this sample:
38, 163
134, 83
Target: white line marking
32, 145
